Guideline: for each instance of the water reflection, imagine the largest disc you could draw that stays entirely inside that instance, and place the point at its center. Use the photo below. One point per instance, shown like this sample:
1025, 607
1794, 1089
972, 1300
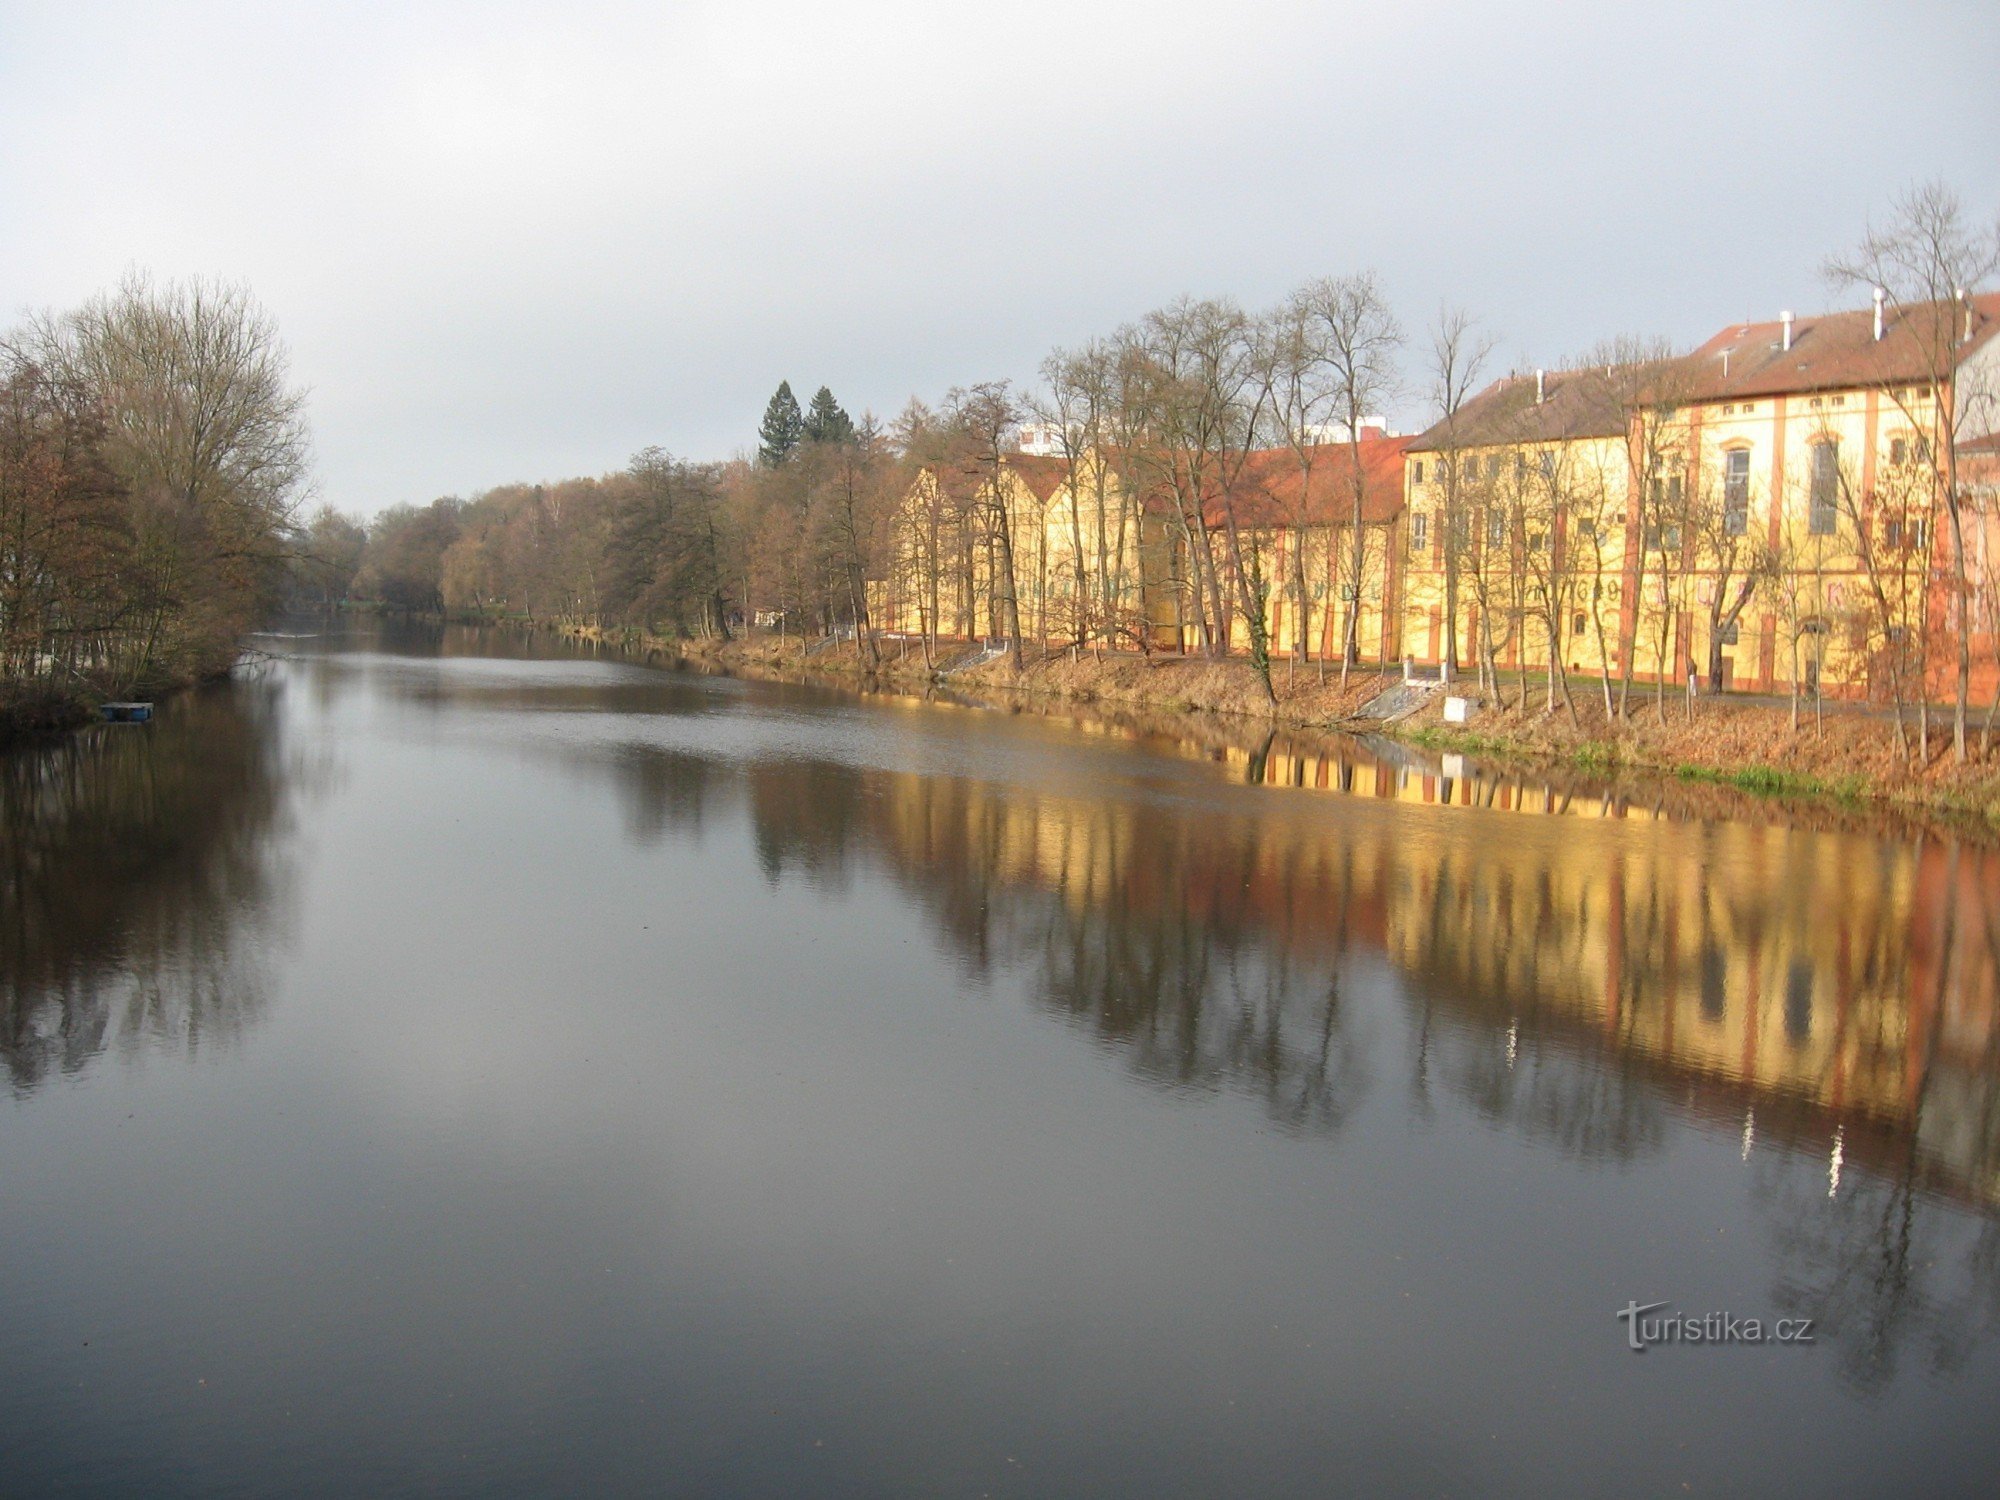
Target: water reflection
1827, 981
140, 871
1826, 1000
1619, 985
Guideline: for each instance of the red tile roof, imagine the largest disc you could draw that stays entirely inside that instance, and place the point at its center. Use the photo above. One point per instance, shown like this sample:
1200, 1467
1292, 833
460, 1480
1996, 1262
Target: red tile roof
1838, 351
1043, 474
1274, 489
1580, 403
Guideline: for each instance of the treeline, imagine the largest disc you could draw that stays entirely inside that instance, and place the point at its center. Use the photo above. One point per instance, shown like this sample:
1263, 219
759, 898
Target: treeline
664, 545
1202, 478
153, 455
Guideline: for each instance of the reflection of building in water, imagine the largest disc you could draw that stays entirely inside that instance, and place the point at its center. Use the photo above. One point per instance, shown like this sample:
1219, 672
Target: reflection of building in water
1825, 980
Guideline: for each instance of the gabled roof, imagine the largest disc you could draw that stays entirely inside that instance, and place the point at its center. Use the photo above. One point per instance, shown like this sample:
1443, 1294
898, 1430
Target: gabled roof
1838, 351
1580, 403
1043, 474
1275, 489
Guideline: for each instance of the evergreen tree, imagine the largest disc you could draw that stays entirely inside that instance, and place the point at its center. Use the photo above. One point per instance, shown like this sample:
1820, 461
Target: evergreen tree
826, 422
782, 428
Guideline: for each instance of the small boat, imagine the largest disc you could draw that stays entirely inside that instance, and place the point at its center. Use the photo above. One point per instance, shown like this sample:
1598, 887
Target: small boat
126, 713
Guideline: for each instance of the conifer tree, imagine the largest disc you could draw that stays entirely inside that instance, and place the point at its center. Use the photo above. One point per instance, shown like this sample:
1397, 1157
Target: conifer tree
826, 422
782, 427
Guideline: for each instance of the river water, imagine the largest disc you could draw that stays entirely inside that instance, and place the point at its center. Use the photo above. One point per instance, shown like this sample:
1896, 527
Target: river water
440, 1064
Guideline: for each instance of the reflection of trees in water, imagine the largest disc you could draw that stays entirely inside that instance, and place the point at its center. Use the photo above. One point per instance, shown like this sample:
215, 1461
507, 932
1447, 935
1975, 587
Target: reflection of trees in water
1889, 1271
130, 860
1524, 1073
1191, 991
1192, 1005
665, 790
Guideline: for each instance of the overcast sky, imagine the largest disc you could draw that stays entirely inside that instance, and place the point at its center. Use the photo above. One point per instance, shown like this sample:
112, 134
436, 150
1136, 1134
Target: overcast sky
521, 241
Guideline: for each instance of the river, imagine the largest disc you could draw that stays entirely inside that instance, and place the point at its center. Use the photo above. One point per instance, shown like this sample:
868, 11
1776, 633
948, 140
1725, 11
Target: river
443, 1064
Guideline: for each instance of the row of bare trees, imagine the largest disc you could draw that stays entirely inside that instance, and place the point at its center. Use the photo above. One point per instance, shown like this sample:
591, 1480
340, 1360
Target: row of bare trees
1169, 432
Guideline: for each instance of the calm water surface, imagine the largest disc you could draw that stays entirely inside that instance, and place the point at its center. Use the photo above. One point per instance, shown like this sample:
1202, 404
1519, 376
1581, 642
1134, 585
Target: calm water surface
435, 1065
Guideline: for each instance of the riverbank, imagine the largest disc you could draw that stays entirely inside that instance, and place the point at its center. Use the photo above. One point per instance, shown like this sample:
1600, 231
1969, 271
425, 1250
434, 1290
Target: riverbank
1846, 756
32, 714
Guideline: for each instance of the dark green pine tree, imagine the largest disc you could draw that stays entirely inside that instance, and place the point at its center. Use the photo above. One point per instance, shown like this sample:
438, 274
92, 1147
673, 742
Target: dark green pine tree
826, 422
782, 428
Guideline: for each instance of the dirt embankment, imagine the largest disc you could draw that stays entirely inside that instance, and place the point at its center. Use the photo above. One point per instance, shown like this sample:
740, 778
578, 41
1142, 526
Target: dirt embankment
1844, 754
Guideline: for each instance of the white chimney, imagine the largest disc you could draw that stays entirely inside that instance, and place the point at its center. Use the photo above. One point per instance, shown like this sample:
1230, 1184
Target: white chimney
1880, 297
1785, 322
1965, 301
1541, 389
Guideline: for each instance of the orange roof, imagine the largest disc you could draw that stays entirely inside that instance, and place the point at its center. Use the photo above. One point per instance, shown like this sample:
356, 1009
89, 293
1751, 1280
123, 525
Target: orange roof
1836, 352
1044, 474
1580, 403
1276, 489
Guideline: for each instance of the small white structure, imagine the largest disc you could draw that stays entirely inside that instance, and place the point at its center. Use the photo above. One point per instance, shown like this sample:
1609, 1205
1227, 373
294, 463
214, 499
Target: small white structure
1457, 710
1040, 440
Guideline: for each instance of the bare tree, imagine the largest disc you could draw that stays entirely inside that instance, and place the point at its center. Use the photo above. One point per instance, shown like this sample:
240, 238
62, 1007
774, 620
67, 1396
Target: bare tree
206, 432
985, 418
1459, 351
1927, 261
1360, 338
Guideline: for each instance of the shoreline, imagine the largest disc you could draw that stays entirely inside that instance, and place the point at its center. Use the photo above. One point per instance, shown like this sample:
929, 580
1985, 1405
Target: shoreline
1848, 760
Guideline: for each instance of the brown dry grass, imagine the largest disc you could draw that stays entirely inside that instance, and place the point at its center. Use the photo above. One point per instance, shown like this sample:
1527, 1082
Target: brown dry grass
1848, 754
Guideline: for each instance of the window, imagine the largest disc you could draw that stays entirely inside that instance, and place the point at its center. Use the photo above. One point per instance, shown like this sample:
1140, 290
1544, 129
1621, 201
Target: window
1736, 492
1823, 514
1493, 466
1548, 463
1537, 541
1420, 531
1899, 450
1892, 533
1576, 625
1496, 528
1588, 526
1417, 472
1731, 634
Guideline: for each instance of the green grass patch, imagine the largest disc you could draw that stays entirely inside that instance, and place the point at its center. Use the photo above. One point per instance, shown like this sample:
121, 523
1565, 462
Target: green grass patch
1770, 781
1595, 755
1459, 740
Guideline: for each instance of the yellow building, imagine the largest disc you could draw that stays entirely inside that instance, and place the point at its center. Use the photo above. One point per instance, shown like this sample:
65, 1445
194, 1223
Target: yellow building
1809, 442
1762, 513
1514, 530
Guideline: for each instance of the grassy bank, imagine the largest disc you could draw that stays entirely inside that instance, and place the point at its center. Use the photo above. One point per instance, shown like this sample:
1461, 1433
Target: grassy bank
1851, 758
